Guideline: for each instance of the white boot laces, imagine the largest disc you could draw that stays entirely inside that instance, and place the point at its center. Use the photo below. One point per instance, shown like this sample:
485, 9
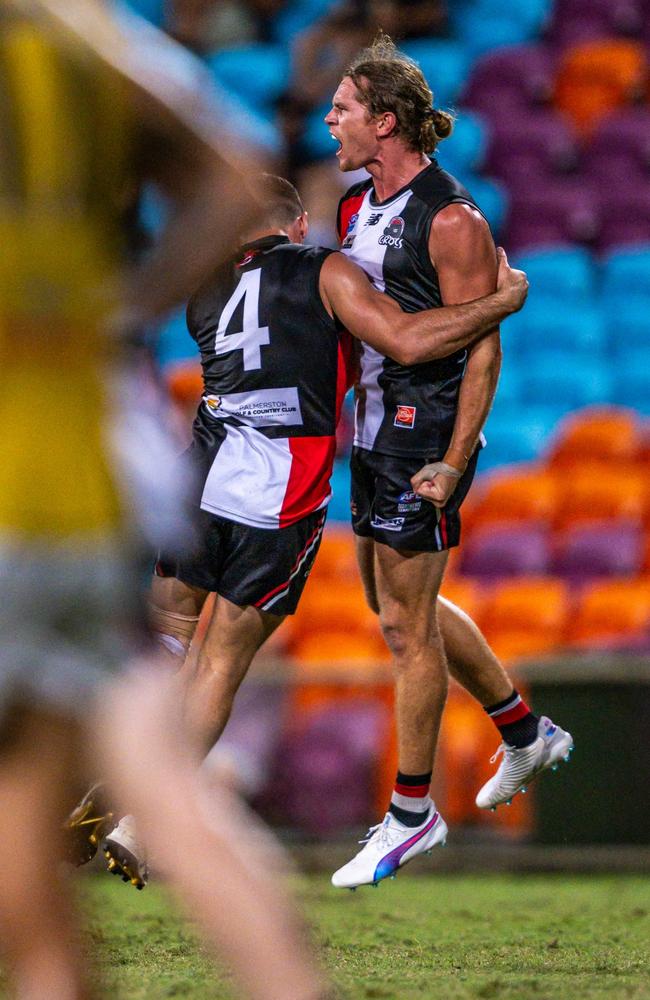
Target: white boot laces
381, 832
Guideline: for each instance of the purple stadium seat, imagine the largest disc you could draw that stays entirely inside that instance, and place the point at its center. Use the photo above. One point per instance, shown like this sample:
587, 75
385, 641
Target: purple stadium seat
253, 733
625, 133
510, 77
506, 550
596, 550
624, 214
323, 780
543, 136
576, 21
562, 211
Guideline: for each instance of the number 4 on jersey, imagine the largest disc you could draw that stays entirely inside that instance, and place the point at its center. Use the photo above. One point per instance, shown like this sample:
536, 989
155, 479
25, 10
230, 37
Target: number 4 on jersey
253, 336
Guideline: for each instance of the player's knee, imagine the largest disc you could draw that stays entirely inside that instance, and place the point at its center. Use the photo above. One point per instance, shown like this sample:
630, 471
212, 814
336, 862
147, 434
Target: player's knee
396, 635
173, 631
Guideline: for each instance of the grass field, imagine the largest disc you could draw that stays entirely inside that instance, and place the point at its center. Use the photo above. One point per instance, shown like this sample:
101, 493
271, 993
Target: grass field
506, 937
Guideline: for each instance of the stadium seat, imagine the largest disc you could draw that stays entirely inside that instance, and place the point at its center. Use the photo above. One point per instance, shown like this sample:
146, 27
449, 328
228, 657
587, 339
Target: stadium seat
624, 215
526, 616
540, 135
174, 344
574, 382
611, 609
627, 272
600, 493
257, 73
520, 548
566, 272
490, 195
339, 505
464, 151
631, 381
513, 76
628, 328
336, 559
465, 593
575, 20
492, 30
297, 15
607, 548
557, 326
444, 64
597, 77
527, 494
564, 211
152, 10
518, 434
597, 434
185, 383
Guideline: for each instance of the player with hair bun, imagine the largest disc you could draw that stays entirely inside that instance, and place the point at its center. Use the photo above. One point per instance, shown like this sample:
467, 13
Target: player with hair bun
422, 240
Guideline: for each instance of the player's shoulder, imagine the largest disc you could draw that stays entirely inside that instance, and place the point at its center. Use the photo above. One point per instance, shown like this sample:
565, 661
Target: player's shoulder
437, 188
357, 190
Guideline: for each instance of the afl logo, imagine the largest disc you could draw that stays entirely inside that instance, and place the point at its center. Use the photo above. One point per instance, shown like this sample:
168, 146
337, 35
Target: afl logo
392, 235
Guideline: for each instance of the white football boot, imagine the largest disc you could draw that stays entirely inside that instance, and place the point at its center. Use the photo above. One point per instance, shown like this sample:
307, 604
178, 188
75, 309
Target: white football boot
389, 845
125, 855
520, 765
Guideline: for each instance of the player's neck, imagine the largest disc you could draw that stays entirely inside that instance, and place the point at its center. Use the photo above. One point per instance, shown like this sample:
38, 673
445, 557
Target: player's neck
394, 169
253, 235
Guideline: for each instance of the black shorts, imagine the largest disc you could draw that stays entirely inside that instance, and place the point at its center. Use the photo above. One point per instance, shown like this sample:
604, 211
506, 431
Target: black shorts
384, 506
263, 567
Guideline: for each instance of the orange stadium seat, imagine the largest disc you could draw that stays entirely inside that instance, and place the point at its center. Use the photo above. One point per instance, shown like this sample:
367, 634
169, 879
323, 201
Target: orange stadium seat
612, 610
526, 616
465, 593
520, 496
598, 434
597, 77
601, 492
336, 560
185, 383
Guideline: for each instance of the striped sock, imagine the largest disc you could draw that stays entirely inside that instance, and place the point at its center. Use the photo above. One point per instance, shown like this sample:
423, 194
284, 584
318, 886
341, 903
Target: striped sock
410, 800
514, 720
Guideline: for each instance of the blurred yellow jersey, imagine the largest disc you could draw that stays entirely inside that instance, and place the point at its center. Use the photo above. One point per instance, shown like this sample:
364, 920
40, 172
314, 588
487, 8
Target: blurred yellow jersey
64, 136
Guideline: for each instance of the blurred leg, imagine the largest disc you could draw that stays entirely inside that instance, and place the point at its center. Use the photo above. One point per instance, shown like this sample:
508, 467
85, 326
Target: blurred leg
221, 880
38, 775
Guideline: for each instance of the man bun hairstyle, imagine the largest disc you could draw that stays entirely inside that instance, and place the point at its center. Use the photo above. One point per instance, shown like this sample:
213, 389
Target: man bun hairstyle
387, 80
281, 203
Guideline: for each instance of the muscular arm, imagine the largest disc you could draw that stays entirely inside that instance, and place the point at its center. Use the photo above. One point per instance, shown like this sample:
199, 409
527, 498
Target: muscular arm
411, 338
463, 254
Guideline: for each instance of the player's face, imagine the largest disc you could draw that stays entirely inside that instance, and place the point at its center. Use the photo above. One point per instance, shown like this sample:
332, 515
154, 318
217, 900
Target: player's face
351, 125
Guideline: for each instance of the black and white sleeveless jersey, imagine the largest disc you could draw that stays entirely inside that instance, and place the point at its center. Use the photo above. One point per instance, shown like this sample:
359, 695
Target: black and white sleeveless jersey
275, 374
402, 410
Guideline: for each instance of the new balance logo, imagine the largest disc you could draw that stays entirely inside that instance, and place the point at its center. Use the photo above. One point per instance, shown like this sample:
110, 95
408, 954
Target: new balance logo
374, 219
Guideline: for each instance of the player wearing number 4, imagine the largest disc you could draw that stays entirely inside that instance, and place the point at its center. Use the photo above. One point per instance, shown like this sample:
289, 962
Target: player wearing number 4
271, 327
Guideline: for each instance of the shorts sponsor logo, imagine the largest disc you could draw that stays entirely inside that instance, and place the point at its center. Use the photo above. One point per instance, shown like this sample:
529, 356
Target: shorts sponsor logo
409, 502
405, 417
265, 408
388, 523
392, 235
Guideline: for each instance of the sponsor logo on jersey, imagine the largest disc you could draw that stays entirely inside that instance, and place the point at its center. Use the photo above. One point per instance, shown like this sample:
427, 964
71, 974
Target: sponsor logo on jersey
388, 523
373, 219
408, 502
264, 408
405, 417
392, 236
350, 234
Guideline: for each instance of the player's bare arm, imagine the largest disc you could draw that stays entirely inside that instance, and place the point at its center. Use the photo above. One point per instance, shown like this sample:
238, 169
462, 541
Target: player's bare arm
413, 338
463, 253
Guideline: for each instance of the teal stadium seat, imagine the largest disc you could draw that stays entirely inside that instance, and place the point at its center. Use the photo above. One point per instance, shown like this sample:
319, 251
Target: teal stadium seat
464, 151
339, 507
626, 271
258, 74
632, 381
483, 31
490, 195
174, 342
297, 16
445, 65
568, 273
518, 433
556, 378
572, 330
627, 319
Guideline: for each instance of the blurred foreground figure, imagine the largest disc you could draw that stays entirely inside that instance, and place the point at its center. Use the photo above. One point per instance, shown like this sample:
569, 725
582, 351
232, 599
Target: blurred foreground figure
87, 114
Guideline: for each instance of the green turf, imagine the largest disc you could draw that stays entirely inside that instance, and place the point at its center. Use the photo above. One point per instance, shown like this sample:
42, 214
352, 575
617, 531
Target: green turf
506, 937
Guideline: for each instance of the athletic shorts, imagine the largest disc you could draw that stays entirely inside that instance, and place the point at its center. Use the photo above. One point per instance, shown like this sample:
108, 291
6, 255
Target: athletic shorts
384, 506
71, 616
263, 567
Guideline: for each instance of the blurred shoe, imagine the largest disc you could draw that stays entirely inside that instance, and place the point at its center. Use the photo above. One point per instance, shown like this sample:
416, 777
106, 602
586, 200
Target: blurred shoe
86, 825
388, 846
125, 856
520, 765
